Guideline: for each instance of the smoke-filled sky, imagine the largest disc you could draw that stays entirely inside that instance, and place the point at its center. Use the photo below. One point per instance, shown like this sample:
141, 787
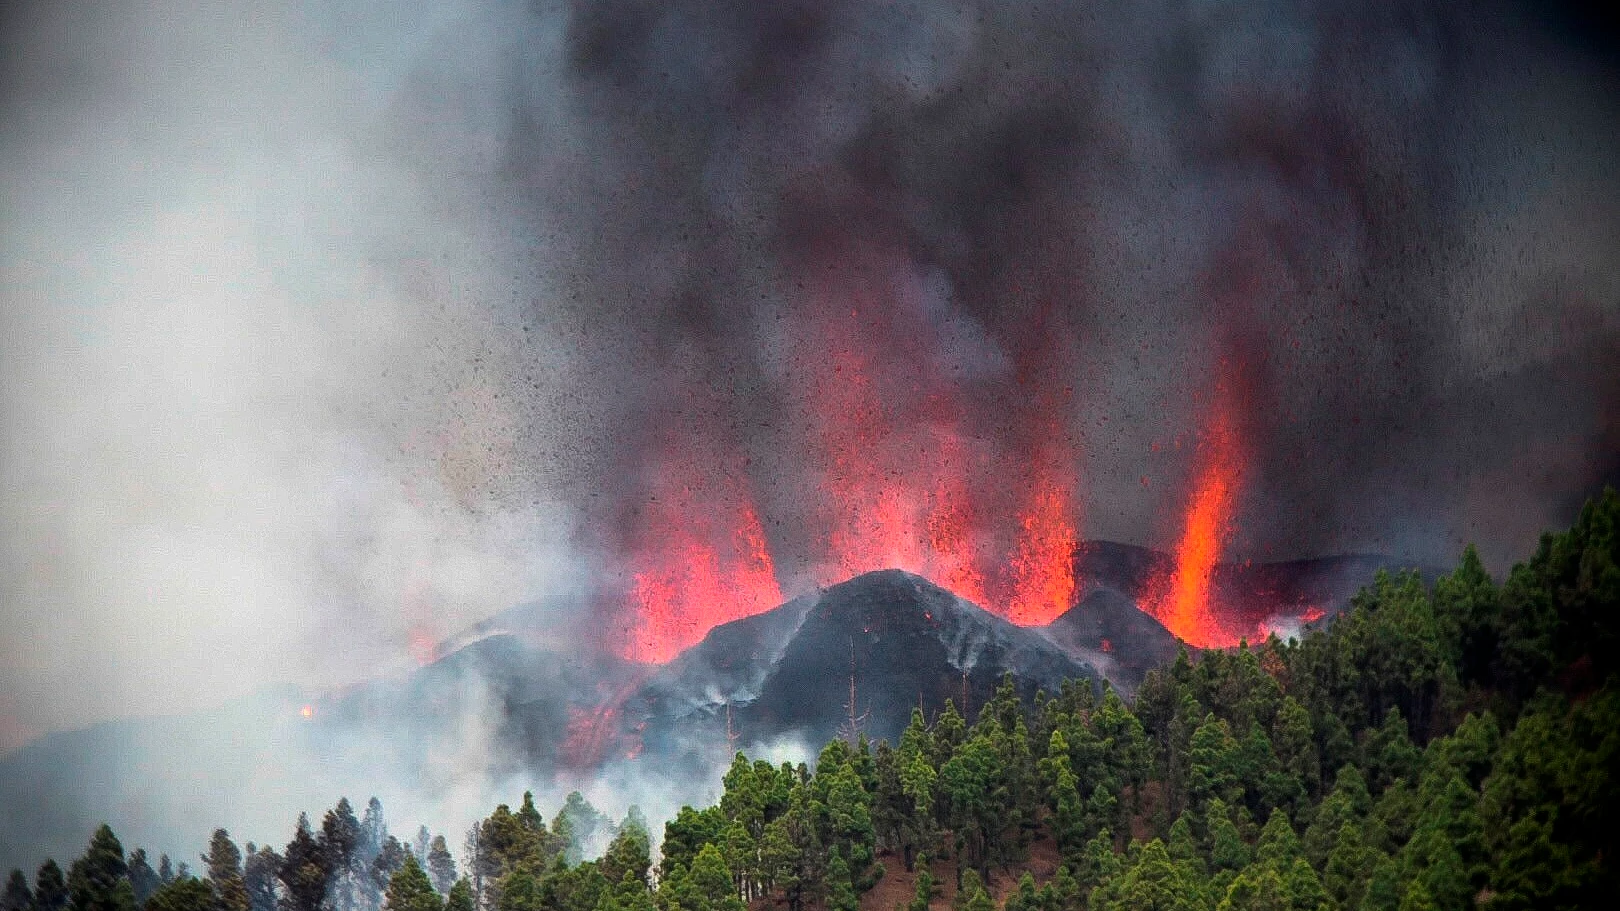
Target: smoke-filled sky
332, 328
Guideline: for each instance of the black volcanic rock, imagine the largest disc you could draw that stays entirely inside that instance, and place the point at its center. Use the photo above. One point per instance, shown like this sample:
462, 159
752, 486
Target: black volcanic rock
1107, 629
908, 641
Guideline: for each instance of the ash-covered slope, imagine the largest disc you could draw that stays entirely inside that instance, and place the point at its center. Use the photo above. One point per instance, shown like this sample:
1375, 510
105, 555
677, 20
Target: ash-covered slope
1108, 630
906, 641
519, 699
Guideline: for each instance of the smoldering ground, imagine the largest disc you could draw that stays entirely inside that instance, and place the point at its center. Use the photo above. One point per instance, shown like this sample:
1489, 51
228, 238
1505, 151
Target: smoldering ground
333, 330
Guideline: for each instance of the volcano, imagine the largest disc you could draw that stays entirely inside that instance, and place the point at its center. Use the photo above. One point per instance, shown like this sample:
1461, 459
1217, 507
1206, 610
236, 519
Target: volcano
899, 640
505, 699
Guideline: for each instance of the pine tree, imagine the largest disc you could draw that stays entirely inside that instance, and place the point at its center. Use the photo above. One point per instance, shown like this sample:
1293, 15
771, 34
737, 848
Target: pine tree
373, 831
390, 860
1295, 742
340, 839
1279, 845
1417, 898
460, 897
224, 865
1258, 888
974, 895
629, 853
518, 891
17, 896
712, 880
1066, 894
1182, 846
1349, 803
410, 890
1349, 867
926, 886
1153, 882
50, 888
143, 880
260, 876
576, 826
184, 893
304, 869
99, 881
1024, 897
1383, 892
1227, 849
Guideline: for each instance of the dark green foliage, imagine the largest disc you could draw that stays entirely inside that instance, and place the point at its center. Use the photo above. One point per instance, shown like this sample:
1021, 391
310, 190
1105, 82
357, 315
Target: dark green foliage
629, 854
183, 894
460, 897
388, 862
410, 889
305, 868
1227, 849
1025, 897
926, 887
687, 833
1155, 882
50, 888
224, 865
840, 887
1557, 610
99, 880
973, 896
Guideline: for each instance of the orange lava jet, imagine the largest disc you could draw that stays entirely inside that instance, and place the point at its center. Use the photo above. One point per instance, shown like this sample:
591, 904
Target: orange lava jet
1183, 601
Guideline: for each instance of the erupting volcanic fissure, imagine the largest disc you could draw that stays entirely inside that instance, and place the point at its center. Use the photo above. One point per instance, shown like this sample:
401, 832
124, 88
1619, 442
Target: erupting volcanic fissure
702, 560
885, 450
889, 466
1184, 600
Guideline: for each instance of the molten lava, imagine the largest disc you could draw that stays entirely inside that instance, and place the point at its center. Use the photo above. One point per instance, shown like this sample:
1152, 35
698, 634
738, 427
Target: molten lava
1183, 602
1042, 566
703, 561
892, 460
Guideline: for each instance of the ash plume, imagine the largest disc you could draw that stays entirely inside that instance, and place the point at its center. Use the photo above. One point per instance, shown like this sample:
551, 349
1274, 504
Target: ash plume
1397, 222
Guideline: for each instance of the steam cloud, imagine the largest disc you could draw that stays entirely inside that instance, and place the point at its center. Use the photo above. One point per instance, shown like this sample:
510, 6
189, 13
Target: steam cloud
334, 329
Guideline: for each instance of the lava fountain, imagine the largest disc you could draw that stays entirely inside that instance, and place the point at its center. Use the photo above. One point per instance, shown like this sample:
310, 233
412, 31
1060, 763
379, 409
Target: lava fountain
700, 559
1183, 601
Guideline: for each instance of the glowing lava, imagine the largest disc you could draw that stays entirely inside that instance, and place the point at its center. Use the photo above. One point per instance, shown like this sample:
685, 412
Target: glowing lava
1183, 601
1042, 568
703, 561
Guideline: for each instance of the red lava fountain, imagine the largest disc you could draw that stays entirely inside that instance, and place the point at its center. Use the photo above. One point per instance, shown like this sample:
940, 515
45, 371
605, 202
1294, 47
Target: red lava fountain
1183, 602
706, 563
1043, 579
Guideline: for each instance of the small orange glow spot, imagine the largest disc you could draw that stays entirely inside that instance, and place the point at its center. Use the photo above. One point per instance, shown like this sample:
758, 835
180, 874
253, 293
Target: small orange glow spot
1107, 646
307, 711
